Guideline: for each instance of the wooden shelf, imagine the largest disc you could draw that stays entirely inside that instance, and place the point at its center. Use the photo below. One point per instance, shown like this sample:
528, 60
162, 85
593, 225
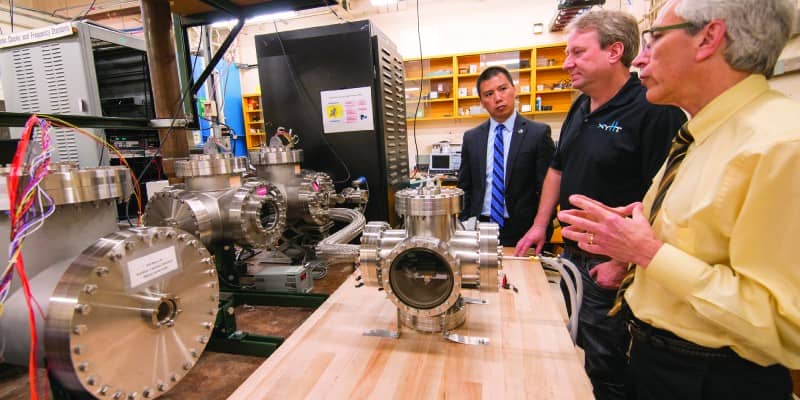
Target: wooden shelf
429, 101
478, 97
254, 133
430, 78
551, 68
550, 112
485, 116
479, 74
555, 91
431, 119
529, 76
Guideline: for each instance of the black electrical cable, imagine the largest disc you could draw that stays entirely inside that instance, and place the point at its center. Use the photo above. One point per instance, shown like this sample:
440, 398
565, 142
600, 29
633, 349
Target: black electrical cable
11, 13
419, 95
169, 130
302, 89
218, 123
252, 253
86, 12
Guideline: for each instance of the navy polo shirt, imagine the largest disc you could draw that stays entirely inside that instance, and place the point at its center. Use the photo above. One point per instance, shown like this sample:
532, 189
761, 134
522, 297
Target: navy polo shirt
612, 154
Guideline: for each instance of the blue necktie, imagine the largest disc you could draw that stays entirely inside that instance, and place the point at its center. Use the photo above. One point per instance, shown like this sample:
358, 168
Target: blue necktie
498, 178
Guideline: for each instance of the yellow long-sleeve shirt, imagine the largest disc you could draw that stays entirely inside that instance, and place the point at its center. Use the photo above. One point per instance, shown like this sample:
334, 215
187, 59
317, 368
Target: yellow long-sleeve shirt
728, 273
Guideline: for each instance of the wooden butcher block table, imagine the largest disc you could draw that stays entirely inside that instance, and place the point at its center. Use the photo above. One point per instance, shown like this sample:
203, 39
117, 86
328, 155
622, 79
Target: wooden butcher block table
530, 355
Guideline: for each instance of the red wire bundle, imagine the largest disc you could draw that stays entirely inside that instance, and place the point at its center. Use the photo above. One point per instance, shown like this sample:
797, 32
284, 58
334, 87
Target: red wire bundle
18, 209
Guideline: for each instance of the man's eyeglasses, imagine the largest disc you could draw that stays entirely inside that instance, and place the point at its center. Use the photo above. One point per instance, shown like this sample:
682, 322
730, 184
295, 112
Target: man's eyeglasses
648, 35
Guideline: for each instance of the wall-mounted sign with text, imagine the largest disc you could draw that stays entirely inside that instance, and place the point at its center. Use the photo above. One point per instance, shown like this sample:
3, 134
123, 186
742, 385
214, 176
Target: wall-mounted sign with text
36, 35
347, 110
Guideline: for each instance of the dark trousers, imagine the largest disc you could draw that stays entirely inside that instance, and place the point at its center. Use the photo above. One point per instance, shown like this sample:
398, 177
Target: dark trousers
603, 339
663, 366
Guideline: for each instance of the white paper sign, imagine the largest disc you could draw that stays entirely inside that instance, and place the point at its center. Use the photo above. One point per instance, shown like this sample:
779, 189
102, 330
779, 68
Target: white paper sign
347, 110
36, 35
152, 266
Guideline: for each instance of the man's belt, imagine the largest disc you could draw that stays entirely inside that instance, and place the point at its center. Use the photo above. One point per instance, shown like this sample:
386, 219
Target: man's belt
666, 340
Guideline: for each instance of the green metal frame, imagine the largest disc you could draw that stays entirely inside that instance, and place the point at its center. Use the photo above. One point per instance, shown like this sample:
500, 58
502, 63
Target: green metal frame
279, 299
227, 337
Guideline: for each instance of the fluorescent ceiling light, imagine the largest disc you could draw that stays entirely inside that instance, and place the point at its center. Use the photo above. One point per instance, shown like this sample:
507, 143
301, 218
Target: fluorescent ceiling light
257, 19
269, 17
378, 3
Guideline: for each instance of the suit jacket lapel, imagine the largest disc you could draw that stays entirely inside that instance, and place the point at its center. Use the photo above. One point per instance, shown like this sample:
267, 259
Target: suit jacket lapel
483, 140
517, 136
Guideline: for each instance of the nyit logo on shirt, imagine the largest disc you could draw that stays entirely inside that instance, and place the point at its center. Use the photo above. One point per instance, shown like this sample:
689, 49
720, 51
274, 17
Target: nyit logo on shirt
613, 127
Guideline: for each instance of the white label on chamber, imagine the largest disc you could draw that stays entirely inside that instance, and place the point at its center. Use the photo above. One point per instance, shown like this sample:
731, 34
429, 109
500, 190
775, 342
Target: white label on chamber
152, 266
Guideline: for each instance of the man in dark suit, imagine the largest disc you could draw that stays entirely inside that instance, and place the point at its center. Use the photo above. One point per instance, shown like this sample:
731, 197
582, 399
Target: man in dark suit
503, 160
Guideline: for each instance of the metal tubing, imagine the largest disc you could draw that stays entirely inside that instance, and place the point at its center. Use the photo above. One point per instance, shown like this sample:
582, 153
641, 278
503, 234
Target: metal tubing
334, 248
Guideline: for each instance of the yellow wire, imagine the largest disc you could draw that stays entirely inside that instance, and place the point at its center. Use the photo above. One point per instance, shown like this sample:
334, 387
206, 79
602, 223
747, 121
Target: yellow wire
24, 200
19, 247
11, 261
136, 188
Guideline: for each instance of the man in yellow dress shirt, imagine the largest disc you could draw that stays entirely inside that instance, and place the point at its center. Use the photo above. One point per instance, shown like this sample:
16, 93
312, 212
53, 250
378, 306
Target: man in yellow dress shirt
715, 298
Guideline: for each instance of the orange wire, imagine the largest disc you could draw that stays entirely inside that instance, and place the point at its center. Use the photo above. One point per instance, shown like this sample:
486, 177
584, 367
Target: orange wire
136, 186
17, 256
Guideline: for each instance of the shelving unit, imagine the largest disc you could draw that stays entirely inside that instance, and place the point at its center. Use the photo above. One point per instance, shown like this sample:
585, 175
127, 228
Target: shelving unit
443, 87
254, 131
549, 75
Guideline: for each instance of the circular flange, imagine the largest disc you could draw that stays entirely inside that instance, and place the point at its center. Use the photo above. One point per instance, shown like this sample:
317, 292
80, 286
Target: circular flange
260, 209
132, 314
368, 252
66, 184
210, 165
323, 183
429, 201
421, 261
490, 254
316, 192
275, 156
177, 208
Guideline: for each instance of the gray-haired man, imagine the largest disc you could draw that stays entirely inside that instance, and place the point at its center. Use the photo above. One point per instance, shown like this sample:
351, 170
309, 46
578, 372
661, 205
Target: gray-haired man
713, 297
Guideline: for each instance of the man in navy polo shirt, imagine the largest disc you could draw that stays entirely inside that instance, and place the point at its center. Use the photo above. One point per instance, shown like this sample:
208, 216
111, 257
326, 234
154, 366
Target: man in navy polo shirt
612, 144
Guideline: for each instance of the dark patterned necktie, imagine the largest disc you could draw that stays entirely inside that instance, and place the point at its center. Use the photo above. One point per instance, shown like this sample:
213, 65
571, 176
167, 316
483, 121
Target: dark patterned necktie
498, 203
680, 145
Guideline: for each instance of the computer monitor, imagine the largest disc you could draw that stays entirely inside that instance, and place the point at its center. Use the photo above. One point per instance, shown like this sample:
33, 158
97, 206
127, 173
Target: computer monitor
440, 164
